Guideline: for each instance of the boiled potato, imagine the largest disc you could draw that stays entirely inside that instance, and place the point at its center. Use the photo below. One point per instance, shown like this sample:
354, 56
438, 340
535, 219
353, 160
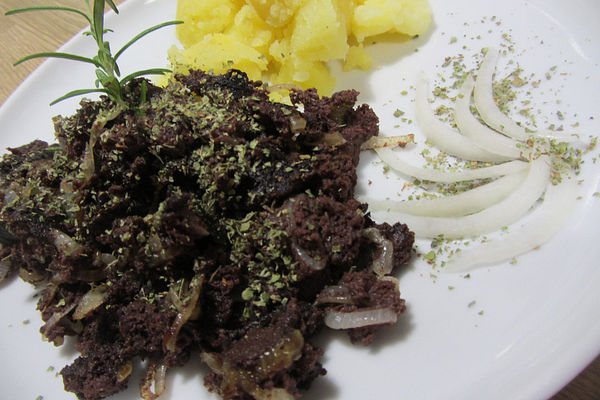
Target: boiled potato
289, 41
320, 31
249, 28
306, 74
202, 17
276, 13
219, 52
358, 58
374, 17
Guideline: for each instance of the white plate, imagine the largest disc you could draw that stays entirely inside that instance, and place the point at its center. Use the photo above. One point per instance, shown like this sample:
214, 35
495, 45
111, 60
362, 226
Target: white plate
541, 317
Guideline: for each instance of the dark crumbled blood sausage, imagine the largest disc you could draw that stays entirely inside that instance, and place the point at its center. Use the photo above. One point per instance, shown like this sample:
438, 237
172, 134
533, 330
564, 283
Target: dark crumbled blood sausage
203, 221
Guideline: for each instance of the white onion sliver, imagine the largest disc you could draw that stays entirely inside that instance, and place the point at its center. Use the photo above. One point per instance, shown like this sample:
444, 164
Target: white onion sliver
479, 133
5, 267
311, 262
484, 100
337, 294
383, 264
90, 301
444, 137
464, 203
491, 219
154, 382
65, 244
359, 319
55, 318
390, 158
387, 141
542, 224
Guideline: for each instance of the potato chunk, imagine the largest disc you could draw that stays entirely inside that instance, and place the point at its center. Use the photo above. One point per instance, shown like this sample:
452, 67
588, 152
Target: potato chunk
374, 17
289, 41
217, 53
204, 17
276, 13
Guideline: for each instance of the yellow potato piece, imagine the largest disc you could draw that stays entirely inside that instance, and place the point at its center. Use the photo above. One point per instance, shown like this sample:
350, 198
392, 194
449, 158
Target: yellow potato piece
320, 31
358, 58
249, 28
276, 13
202, 17
218, 53
306, 74
374, 17
289, 41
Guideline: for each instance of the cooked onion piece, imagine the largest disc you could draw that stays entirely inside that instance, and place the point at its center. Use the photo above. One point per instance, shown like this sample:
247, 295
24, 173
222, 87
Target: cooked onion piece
359, 319
186, 310
313, 263
383, 264
541, 225
93, 299
55, 319
468, 202
377, 142
5, 267
336, 294
65, 244
390, 158
479, 133
444, 137
273, 394
154, 382
491, 219
124, 371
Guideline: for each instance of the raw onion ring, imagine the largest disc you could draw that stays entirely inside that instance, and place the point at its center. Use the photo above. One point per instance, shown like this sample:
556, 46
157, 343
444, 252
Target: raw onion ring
542, 224
464, 203
491, 219
479, 133
389, 157
442, 136
485, 103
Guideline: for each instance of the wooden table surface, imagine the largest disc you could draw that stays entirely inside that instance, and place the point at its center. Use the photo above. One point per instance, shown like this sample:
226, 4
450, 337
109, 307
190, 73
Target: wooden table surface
24, 34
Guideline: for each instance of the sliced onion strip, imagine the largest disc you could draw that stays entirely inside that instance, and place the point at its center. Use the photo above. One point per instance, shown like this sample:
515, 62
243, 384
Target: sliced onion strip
442, 136
485, 103
359, 319
390, 158
468, 202
542, 224
479, 133
491, 219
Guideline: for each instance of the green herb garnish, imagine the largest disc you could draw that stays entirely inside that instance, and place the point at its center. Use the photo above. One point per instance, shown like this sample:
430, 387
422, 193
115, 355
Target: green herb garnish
107, 72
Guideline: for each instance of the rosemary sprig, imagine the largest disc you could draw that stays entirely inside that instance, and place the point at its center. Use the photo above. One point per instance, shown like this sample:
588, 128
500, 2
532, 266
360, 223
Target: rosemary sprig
107, 71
